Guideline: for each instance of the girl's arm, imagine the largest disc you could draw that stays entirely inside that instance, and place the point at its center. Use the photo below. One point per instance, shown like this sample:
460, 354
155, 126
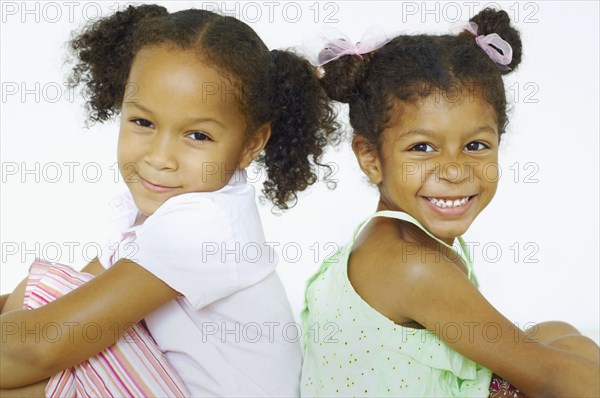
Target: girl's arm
14, 300
437, 294
34, 390
3, 299
38, 343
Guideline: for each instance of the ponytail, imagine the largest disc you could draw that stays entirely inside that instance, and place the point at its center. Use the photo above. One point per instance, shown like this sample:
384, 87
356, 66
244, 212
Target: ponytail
304, 122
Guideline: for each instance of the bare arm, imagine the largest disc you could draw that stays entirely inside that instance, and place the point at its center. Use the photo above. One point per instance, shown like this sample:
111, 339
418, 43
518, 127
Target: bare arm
14, 300
3, 299
15, 303
32, 391
437, 294
89, 319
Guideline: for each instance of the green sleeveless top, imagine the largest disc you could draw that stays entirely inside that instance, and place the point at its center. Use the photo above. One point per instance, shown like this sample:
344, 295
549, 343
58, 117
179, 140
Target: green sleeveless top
350, 349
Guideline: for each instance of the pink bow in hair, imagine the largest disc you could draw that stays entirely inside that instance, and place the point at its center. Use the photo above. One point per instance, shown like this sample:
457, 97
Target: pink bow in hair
325, 48
503, 58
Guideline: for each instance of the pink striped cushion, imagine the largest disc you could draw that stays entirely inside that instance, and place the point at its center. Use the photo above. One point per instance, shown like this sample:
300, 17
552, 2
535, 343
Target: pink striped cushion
132, 367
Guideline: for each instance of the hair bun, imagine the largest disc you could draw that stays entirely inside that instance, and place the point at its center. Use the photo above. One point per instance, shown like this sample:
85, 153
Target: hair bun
344, 76
490, 21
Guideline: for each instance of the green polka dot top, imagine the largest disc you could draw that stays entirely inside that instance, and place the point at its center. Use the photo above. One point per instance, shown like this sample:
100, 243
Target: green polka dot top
351, 350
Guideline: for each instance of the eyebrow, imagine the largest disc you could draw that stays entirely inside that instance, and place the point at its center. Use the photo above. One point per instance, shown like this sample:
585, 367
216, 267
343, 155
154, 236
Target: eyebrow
191, 120
139, 106
482, 129
417, 132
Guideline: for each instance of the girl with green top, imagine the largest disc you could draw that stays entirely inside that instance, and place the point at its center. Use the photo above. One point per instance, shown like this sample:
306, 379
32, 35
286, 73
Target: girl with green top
397, 311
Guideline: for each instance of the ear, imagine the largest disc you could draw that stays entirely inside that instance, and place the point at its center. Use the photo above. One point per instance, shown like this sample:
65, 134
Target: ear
254, 145
368, 158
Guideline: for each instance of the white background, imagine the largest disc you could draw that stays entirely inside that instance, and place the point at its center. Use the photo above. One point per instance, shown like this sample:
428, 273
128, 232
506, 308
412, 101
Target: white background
535, 247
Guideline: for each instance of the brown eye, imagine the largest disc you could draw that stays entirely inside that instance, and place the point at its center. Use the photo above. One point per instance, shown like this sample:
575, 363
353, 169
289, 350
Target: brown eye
199, 136
142, 123
421, 147
475, 146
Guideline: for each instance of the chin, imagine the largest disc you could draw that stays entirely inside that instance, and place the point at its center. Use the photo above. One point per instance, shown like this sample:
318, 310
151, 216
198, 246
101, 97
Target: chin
146, 207
449, 233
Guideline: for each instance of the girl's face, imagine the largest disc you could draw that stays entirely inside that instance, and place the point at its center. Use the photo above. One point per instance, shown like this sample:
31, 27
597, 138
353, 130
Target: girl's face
181, 128
438, 162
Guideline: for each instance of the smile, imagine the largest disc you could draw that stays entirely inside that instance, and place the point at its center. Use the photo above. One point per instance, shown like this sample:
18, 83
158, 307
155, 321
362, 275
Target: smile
156, 188
448, 203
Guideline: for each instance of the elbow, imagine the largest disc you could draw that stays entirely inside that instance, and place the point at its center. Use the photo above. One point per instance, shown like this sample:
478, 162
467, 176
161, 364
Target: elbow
19, 369
545, 391
572, 376
24, 355
547, 382
540, 388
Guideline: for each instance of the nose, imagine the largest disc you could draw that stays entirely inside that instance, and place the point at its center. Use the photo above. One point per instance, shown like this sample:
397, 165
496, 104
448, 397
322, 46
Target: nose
161, 152
454, 169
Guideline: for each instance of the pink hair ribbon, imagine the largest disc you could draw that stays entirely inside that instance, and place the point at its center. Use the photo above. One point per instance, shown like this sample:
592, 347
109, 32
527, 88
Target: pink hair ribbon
324, 48
503, 58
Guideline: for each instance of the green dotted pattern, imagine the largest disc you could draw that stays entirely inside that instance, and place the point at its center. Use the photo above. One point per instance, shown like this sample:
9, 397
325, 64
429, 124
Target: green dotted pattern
351, 350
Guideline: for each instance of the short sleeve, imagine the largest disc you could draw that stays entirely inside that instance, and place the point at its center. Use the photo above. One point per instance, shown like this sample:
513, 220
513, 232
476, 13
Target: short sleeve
120, 216
179, 244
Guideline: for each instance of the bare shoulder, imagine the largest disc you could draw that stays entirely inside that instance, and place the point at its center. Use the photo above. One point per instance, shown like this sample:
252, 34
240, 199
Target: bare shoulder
392, 271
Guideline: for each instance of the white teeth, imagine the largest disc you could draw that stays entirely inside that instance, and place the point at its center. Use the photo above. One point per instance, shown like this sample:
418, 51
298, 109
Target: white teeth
448, 203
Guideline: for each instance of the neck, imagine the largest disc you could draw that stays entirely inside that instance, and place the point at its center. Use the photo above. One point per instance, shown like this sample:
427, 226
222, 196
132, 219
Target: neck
382, 206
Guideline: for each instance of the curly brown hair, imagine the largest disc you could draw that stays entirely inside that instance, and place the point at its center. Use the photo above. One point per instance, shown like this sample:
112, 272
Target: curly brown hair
409, 68
275, 86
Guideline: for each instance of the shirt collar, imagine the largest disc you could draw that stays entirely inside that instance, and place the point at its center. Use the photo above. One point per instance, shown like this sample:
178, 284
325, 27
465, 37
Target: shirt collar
123, 212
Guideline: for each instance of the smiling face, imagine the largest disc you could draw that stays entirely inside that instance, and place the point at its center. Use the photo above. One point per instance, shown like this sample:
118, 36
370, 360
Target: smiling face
438, 162
181, 128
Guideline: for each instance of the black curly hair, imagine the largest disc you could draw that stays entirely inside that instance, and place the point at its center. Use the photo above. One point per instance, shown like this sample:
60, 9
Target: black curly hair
409, 68
275, 86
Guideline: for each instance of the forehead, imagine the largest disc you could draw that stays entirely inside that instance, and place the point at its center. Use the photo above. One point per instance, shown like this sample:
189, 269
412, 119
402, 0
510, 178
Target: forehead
179, 79
442, 112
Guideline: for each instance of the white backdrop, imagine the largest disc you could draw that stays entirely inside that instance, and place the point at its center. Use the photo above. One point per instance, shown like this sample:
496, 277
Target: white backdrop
535, 247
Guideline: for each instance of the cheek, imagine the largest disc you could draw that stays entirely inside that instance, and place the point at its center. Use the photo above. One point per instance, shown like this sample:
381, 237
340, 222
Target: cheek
490, 173
128, 153
124, 152
122, 148
233, 153
395, 184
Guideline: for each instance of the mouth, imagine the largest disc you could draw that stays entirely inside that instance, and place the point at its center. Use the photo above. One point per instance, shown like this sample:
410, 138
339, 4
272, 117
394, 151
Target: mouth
454, 206
156, 187
449, 202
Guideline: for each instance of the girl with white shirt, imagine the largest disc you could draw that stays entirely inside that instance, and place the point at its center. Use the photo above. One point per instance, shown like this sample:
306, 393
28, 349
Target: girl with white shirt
200, 97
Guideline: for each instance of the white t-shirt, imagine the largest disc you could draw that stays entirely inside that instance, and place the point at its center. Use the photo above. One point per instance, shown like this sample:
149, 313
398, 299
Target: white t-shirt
232, 332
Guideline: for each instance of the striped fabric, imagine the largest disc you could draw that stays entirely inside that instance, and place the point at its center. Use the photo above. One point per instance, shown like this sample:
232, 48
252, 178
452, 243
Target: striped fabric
132, 367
